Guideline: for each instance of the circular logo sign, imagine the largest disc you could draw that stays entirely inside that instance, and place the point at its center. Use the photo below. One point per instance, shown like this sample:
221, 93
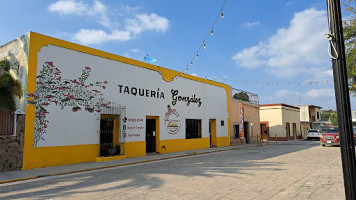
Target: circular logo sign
172, 121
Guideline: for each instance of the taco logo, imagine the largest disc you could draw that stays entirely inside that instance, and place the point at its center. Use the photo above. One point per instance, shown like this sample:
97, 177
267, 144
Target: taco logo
172, 120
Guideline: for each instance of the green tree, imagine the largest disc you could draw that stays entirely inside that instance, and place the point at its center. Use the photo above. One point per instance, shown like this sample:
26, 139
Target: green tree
333, 118
10, 88
241, 96
349, 6
325, 115
349, 29
350, 50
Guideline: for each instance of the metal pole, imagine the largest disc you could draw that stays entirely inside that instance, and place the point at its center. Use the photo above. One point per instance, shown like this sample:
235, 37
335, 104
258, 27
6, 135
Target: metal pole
337, 50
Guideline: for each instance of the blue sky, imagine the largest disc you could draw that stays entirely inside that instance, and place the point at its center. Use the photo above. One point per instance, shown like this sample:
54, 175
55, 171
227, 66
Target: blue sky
275, 49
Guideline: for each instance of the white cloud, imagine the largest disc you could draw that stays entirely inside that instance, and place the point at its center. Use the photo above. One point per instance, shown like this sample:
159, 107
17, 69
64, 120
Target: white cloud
132, 53
320, 93
134, 50
98, 10
252, 24
309, 95
88, 36
292, 50
289, 3
68, 7
247, 57
283, 93
125, 29
323, 74
147, 22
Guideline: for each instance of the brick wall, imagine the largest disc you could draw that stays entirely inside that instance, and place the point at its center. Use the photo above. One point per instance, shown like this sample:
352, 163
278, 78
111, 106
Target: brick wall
11, 148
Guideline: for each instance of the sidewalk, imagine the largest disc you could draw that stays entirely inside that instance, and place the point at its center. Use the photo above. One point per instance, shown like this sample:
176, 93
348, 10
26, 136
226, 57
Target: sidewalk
13, 176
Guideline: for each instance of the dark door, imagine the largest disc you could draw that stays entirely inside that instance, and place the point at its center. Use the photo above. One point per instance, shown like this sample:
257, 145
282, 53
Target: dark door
246, 133
294, 131
288, 131
210, 133
106, 136
150, 135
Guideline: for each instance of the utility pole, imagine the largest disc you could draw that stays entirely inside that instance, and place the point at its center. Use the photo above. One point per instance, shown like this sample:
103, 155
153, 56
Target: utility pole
337, 52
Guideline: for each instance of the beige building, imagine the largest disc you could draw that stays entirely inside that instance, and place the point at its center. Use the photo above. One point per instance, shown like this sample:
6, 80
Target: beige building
281, 121
246, 113
310, 118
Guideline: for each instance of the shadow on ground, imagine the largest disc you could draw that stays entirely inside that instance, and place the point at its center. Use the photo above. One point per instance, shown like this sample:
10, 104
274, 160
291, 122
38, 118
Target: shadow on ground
242, 162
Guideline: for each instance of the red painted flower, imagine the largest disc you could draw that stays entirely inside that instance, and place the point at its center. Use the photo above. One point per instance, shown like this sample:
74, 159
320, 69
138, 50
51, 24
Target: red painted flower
75, 109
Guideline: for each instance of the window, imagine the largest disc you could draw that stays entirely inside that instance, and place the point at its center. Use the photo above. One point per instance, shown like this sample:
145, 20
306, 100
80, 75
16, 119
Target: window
317, 115
7, 122
236, 131
193, 128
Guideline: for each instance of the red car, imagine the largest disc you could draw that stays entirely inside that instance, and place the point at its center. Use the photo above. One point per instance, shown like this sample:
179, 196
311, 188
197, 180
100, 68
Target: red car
330, 137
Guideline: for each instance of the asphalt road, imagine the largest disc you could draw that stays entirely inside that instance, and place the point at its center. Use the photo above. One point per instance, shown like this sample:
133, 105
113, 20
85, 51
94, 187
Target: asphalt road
293, 170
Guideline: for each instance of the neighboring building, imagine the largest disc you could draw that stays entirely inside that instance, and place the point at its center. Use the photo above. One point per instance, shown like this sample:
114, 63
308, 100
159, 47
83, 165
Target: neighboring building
281, 121
12, 133
310, 118
85, 105
244, 118
353, 114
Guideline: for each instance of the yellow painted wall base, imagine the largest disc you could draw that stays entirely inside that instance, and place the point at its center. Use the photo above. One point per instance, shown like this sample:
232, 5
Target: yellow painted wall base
64, 155
135, 149
59, 155
185, 144
223, 141
109, 158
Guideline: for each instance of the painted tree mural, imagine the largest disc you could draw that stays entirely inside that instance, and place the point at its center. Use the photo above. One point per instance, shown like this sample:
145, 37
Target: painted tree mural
52, 89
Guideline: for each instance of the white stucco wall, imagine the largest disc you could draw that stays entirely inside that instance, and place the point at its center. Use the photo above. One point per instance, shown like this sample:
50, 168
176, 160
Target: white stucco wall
16, 52
72, 128
272, 114
304, 113
291, 115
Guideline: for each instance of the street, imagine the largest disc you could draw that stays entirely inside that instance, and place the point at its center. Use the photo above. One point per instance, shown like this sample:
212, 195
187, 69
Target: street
288, 170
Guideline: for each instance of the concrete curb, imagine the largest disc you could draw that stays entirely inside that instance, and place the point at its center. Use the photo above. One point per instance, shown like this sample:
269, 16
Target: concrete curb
119, 165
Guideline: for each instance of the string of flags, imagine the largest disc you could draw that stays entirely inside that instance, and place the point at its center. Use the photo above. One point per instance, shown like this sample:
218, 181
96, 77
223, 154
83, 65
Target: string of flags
271, 83
288, 83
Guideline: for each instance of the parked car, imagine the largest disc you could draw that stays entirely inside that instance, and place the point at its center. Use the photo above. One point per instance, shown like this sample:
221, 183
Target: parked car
330, 137
313, 134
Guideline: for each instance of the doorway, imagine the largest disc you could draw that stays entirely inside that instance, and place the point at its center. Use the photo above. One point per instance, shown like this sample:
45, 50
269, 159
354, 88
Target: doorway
246, 133
288, 131
109, 135
152, 134
294, 131
265, 129
212, 132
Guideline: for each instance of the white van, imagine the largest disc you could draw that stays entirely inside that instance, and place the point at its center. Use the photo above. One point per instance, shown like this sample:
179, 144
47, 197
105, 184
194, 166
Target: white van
313, 134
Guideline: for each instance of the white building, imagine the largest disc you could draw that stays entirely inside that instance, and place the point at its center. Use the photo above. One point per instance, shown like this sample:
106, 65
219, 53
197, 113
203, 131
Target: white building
310, 118
86, 105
